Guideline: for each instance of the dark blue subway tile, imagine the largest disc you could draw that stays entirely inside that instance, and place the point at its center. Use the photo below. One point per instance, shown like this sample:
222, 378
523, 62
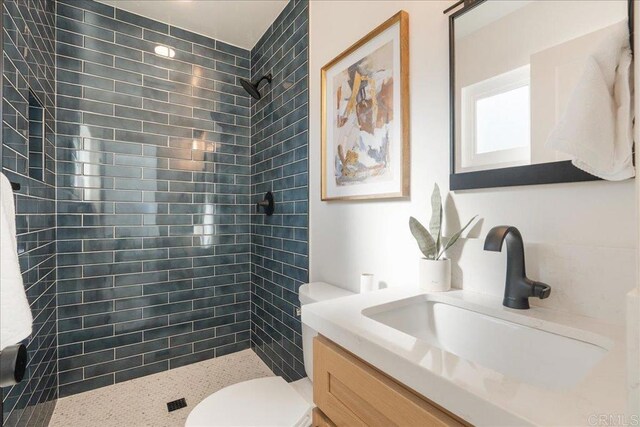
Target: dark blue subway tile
234, 50
101, 45
85, 334
84, 309
114, 366
92, 6
85, 29
112, 318
149, 369
79, 361
142, 301
167, 331
85, 385
100, 20
191, 358
141, 348
110, 343
189, 36
67, 377
168, 353
165, 40
131, 18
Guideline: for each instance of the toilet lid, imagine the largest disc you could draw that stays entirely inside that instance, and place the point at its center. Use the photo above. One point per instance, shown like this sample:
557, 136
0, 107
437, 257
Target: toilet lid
265, 402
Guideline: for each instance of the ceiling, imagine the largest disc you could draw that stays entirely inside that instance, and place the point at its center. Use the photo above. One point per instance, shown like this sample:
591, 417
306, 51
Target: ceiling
239, 23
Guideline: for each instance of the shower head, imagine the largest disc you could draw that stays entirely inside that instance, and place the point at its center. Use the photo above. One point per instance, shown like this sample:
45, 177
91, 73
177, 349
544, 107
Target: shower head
252, 88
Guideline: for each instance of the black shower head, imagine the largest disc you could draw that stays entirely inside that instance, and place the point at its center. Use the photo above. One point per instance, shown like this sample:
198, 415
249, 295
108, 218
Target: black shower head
252, 88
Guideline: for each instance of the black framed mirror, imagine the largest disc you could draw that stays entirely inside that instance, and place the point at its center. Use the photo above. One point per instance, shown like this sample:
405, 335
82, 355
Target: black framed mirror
512, 67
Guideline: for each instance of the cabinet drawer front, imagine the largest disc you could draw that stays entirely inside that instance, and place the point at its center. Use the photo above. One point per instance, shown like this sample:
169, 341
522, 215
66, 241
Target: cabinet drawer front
352, 393
320, 419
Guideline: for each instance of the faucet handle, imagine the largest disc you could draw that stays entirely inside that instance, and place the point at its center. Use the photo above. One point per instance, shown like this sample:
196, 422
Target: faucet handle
541, 290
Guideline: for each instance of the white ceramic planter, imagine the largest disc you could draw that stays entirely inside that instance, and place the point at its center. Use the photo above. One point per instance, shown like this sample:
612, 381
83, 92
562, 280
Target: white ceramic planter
434, 276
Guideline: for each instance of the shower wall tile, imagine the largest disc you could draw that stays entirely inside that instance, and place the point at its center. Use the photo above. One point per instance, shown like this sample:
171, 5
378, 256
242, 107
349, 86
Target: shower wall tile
29, 64
279, 163
154, 205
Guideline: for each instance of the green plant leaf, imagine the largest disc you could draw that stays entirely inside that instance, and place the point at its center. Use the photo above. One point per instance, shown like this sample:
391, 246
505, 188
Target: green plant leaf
435, 225
425, 241
452, 241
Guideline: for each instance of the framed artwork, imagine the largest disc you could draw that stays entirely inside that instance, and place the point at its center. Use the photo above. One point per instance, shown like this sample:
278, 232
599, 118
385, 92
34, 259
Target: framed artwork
365, 116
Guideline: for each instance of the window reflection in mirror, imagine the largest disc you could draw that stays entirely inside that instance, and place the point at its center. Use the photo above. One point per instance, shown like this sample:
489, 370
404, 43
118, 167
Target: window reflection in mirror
516, 64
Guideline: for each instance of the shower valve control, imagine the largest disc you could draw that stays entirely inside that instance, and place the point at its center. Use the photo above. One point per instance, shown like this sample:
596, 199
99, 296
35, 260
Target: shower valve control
268, 204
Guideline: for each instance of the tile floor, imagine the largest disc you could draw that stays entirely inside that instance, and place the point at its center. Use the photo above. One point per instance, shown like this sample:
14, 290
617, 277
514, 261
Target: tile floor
143, 401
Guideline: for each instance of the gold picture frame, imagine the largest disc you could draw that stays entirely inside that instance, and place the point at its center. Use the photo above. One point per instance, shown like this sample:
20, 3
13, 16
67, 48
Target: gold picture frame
368, 113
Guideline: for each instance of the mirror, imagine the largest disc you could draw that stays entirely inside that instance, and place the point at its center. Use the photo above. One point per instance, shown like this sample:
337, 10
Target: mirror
514, 65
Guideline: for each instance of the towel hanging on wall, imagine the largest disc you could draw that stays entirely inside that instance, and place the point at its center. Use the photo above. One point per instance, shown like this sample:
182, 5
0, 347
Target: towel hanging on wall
596, 129
15, 315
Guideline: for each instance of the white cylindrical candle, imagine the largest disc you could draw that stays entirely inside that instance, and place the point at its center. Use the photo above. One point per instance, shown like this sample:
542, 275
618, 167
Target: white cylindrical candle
366, 282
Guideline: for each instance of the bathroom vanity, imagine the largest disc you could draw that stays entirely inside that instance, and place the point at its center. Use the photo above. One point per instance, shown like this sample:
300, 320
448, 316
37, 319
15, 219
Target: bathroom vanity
349, 391
403, 357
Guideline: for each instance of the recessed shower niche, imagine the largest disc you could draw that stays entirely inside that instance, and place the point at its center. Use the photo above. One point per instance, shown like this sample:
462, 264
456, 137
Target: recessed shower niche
36, 138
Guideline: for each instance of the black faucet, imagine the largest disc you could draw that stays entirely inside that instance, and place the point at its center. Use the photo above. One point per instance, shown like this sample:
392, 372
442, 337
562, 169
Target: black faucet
518, 288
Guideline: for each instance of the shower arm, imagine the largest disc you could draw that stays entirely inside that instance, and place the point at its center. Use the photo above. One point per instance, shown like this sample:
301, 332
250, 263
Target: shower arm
265, 77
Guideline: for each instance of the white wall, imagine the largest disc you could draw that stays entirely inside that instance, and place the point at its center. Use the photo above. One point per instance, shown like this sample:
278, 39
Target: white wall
581, 237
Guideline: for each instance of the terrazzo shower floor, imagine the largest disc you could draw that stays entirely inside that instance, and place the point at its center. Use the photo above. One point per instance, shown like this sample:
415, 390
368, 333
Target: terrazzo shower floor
143, 401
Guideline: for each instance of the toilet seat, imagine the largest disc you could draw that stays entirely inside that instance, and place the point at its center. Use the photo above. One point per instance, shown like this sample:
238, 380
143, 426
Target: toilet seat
264, 402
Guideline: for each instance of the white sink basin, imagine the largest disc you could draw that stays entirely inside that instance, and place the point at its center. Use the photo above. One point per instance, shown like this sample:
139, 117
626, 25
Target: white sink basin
504, 341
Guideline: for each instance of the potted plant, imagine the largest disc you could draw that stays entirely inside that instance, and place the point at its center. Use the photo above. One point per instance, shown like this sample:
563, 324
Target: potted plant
434, 267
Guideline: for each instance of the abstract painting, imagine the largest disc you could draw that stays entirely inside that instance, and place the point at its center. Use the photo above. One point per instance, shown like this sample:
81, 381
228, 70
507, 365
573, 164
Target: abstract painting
365, 118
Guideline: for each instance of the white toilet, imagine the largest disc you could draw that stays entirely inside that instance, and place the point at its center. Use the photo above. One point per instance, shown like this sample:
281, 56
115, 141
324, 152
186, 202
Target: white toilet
268, 401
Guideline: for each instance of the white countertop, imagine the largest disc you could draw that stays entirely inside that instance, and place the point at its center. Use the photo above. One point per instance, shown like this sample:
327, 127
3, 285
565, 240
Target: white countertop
477, 394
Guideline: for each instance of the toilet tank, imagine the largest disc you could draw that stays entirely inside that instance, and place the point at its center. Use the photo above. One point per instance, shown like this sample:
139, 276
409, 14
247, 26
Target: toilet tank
308, 294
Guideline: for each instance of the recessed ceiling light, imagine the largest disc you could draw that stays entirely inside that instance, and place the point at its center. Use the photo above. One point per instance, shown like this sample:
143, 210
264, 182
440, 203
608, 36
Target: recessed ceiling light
165, 51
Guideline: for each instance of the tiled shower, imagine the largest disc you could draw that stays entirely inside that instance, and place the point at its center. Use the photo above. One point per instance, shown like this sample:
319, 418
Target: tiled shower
140, 247
153, 198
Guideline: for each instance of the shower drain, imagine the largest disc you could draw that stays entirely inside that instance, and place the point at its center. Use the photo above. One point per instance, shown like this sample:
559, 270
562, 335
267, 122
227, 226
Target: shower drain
176, 404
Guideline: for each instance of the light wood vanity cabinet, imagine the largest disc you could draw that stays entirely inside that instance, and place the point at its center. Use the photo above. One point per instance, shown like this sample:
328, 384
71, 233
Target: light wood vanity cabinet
350, 392
320, 419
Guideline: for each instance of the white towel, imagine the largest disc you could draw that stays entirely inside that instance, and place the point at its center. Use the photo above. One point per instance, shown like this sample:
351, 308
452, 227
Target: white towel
16, 320
596, 128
